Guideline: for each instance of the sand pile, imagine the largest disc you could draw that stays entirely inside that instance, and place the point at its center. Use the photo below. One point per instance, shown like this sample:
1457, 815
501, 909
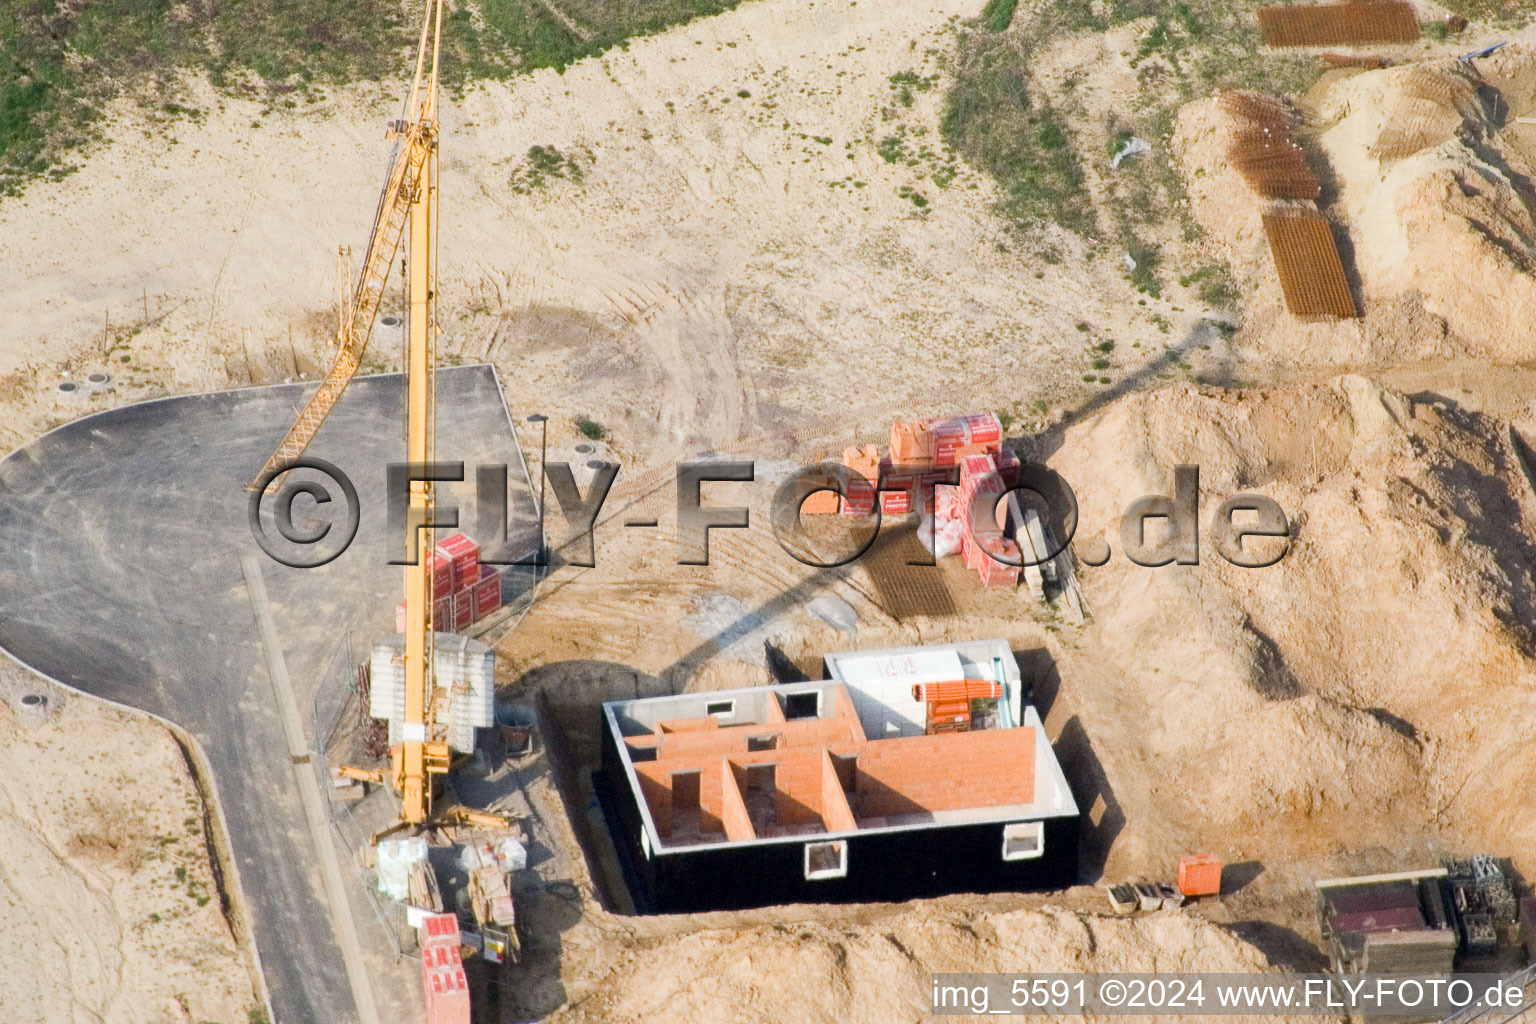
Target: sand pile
1375, 681
108, 907
1432, 211
1436, 199
812, 971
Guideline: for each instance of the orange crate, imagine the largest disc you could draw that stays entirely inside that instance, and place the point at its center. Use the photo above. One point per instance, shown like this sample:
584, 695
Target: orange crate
1200, 874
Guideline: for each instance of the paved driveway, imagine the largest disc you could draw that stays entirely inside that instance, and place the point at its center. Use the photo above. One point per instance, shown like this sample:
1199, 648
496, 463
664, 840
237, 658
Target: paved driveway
120, 543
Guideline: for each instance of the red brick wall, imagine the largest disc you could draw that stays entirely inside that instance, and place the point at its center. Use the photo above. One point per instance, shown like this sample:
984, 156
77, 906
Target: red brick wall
732, 739
733, 815
658, 798
835, 811
952, 771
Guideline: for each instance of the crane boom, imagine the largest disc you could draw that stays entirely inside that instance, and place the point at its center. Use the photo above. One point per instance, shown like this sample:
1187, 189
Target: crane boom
415, 136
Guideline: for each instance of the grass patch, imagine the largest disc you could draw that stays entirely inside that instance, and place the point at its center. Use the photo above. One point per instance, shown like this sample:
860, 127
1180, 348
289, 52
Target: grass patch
542, 165
590, 428
1500, 13
892, 149
61, 63
1212, 283
994, 123
998, 14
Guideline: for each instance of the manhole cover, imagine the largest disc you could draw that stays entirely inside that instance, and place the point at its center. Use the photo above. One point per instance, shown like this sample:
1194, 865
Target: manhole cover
69, 387
585, 449
595, 464
390, 321
98, 378
33, 700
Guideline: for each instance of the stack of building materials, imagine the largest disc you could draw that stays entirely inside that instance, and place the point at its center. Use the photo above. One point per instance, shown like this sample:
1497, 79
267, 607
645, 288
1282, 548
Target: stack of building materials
1483, 904
487, 592
968, 520
442, 971
1393, 923
943, 441
464, 591
394, 861
867, 466
464, 674
948, 702
488, 862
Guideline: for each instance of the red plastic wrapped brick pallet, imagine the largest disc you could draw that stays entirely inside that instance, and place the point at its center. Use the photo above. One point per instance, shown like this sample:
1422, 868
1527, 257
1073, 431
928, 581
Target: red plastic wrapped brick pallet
442, 574
465, 556
438, 930
487, 592
942, 441
866, 463
442, 616
442, 971
464, 609
447, 993
996, 573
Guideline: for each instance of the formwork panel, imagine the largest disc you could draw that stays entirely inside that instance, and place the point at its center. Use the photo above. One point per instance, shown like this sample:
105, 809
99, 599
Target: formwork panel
1307, 260
1345, 24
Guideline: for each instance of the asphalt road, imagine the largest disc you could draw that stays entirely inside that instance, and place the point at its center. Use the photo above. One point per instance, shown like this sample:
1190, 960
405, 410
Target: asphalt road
120, 543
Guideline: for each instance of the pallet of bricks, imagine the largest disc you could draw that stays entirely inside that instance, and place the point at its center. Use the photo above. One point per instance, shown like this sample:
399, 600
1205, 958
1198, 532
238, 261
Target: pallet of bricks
442, 970
922, 454
463, 590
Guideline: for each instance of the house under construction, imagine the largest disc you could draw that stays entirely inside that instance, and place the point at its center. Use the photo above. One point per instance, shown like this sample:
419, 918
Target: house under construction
905, 773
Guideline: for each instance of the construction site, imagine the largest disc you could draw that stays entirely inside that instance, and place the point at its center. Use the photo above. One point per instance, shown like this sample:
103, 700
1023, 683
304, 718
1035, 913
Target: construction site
1116, 426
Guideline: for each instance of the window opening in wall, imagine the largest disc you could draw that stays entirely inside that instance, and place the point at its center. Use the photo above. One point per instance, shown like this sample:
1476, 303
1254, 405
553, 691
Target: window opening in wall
802, 705
1023, 840
826, 860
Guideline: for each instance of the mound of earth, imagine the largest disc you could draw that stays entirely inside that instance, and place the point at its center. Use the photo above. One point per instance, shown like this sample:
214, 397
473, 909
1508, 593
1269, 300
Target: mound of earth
1373, 684
1427, 179
844, 973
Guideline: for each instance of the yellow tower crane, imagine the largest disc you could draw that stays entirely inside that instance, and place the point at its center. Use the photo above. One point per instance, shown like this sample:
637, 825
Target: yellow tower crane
409, 199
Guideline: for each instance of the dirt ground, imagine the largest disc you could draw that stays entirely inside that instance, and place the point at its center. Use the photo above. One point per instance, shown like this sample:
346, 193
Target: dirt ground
109, 906
738, 270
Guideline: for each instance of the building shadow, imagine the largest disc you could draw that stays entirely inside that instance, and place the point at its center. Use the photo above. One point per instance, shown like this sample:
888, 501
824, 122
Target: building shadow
1102, 818
1042, 681
530, 989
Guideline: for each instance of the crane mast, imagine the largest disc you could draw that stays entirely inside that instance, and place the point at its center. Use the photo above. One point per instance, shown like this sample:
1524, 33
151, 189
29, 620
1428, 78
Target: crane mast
421, 753
407, 209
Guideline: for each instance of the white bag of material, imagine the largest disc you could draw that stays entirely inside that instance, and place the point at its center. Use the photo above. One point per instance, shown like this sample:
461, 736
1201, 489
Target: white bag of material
951, 526
512, 855
395, 859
